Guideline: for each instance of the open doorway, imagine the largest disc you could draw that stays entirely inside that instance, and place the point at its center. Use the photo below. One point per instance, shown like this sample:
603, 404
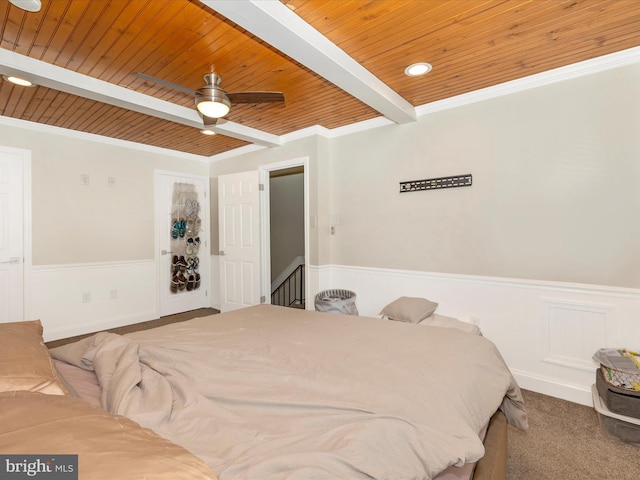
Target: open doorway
285, 240
287, 252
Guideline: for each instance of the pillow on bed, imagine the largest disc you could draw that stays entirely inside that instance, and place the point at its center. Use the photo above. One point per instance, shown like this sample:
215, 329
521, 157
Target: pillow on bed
25, 363
108, 446
409, 309
436, 320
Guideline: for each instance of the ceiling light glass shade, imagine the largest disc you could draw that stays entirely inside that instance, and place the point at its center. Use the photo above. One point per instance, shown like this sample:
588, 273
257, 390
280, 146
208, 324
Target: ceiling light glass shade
417, 69
212, 102
23, 82
28, 5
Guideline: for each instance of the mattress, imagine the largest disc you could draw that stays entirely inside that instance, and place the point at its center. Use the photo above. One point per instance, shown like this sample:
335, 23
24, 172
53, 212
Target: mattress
301, 333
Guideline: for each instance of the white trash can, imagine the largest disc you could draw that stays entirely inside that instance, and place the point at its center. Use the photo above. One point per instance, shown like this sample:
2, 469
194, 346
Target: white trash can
336, 301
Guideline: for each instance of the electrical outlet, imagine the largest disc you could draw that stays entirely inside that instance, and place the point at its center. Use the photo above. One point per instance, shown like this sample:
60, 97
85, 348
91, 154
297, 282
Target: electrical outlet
111, 182
86, 297
113, 294
84, 179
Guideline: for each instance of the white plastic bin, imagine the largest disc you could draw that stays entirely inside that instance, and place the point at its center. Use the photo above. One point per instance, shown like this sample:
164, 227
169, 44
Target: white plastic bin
621, 427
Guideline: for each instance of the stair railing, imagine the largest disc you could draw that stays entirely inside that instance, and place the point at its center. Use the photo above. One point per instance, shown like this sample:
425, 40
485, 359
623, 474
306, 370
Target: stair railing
291, 291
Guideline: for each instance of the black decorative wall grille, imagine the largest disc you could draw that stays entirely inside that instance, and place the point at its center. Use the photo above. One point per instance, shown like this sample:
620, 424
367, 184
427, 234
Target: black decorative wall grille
436, 183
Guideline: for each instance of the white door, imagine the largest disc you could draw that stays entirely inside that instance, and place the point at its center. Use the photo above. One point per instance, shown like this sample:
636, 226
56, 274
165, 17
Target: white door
11, 234
183, 268
239, 239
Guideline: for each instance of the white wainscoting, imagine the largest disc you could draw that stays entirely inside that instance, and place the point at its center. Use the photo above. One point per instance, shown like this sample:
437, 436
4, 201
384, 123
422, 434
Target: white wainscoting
547, 332
77, 299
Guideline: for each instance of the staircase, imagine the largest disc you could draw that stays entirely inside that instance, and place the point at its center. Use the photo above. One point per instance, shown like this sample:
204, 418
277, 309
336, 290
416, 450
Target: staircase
290, 291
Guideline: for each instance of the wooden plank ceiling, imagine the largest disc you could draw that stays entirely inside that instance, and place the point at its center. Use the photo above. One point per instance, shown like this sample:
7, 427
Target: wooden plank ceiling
471, 44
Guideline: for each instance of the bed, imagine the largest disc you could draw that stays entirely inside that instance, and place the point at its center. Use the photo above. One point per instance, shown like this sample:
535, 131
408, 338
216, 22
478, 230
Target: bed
270, 392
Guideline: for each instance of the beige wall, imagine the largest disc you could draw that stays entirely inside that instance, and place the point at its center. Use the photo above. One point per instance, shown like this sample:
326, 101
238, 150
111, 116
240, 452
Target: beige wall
555, 195
73, 223
286, 210
555, 187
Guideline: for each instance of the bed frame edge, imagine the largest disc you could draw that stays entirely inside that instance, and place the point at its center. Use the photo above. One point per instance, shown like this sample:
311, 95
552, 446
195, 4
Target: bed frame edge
493, 465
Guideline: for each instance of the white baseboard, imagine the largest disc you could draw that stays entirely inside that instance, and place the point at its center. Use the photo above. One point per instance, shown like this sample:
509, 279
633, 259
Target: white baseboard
554, 388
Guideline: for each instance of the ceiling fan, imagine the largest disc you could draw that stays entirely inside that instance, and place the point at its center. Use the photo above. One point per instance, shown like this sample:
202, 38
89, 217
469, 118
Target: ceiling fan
212, 102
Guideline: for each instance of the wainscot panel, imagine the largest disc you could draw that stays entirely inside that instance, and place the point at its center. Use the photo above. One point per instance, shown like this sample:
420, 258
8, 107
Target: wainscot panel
73, 300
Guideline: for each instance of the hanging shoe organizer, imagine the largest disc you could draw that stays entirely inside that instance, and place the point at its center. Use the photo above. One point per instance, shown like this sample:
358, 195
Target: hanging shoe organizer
185, 240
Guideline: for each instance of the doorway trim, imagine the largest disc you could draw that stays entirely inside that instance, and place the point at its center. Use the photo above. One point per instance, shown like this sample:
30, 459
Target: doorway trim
265, 223
27, 227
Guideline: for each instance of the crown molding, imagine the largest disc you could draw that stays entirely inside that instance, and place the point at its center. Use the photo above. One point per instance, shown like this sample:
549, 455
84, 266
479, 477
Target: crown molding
588, 67
575, 70
92, 137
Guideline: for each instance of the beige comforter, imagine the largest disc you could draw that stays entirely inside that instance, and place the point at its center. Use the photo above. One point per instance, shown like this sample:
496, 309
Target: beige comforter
272, 393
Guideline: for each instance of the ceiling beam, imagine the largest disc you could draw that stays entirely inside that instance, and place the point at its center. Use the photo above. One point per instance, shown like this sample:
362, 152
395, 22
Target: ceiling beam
57, 78
276, 24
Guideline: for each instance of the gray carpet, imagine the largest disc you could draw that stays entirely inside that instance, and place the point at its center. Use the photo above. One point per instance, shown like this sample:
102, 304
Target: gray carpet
178, 317
565, 442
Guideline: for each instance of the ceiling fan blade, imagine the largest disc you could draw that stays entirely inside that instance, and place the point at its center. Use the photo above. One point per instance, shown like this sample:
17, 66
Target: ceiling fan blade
256, 97
165, 83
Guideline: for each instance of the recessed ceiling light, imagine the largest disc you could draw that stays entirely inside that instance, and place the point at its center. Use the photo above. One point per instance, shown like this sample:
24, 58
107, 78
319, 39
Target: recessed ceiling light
418, 69
208, 132
23, 82
28, 5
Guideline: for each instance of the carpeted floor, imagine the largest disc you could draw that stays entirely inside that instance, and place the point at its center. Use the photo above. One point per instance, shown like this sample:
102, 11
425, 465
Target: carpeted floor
565, 442
179, 317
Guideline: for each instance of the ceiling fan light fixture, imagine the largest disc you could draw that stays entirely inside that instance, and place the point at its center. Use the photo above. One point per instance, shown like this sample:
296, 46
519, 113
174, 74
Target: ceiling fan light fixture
206, 131
417, 69
213, 109
211, 101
